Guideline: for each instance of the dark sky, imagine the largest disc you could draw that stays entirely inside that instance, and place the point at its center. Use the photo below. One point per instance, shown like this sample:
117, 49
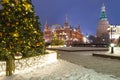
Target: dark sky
86, 13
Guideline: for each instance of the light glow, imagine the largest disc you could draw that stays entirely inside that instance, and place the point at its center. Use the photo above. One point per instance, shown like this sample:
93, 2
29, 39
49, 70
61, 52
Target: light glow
112, 44
52, 57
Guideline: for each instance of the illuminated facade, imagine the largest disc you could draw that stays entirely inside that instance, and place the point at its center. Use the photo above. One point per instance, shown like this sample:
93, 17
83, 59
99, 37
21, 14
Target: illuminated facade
114, 32
68, 34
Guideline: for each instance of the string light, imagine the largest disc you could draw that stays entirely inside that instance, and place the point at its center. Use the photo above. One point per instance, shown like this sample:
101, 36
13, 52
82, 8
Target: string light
5, 1
27, 6
16, 34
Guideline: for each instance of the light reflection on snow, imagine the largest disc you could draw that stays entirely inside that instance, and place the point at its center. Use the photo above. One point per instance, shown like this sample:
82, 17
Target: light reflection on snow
48, 59
52, 57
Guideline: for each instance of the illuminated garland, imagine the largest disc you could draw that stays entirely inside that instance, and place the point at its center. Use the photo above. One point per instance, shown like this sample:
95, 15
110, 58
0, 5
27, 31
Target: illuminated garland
19, 29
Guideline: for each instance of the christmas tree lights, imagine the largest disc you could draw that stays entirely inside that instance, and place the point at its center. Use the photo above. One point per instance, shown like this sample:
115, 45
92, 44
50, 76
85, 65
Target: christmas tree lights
19, 29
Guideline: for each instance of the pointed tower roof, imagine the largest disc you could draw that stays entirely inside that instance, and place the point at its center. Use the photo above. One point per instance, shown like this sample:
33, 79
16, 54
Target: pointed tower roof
46, 22
103, 13
46, 25
66, 19
66, 22
78, 29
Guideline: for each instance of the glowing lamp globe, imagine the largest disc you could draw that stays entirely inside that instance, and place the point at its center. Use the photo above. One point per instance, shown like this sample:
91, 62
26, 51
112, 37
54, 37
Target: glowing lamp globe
18, 55
112, 44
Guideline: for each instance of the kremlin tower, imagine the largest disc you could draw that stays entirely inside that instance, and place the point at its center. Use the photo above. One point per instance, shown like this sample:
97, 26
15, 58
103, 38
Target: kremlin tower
103, 24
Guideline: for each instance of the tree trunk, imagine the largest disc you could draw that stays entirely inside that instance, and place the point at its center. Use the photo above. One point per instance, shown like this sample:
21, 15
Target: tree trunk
10, 66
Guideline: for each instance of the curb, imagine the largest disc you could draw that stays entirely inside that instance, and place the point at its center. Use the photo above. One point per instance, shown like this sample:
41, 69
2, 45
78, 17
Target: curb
77, 50
112, 56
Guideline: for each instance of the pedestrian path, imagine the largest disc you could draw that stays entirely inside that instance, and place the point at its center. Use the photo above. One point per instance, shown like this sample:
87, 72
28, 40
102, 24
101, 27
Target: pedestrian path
107, 55
114, 55
60, 70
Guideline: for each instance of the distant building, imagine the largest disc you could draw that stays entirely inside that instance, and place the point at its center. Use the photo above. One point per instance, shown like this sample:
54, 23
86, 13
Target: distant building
107, 33
67, 33
114, 32
103, 24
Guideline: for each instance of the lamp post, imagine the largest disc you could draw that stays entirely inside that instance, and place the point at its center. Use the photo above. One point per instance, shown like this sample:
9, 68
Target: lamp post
112, 44
18, 55
112, 48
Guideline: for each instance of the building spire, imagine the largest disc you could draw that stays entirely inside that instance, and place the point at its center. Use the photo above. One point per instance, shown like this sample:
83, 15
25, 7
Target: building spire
46, 25
78, 29
66, 22
103, 8
103, 13
66, 18
46, 22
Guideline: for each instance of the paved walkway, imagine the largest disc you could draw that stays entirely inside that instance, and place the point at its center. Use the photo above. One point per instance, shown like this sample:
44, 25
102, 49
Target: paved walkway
107, 55
99, 64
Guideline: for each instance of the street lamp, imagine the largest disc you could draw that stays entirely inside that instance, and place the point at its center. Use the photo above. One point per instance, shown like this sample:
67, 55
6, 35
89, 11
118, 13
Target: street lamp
18, 55
112, 44
112, 48
111, 29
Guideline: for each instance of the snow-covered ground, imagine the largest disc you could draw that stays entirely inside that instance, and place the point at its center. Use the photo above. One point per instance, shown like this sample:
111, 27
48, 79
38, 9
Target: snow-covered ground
60, 70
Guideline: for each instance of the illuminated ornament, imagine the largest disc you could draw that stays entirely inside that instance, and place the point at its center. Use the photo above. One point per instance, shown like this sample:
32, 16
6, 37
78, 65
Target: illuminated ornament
0, 34
31, 25
8, 24
3, 13
7, 13
16, 34
27, 6
28, 47
31, 10
5, 1
19, 9
17, 23
23, 0
21, 42
37, 44
29, 43
35, 32
25, 19
3, 42
12, 5
17, 1
16, 38
26, 12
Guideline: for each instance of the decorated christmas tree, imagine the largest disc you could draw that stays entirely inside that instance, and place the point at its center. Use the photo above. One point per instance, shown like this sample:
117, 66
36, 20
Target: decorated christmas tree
55, 41
19, 29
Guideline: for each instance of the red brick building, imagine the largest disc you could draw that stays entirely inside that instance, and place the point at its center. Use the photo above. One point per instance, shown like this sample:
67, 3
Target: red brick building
68, 34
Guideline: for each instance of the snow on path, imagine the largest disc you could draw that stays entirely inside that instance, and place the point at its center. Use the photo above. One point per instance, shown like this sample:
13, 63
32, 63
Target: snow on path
60, 70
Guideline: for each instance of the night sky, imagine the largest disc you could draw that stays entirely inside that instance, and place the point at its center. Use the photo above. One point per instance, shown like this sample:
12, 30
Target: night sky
86, 13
